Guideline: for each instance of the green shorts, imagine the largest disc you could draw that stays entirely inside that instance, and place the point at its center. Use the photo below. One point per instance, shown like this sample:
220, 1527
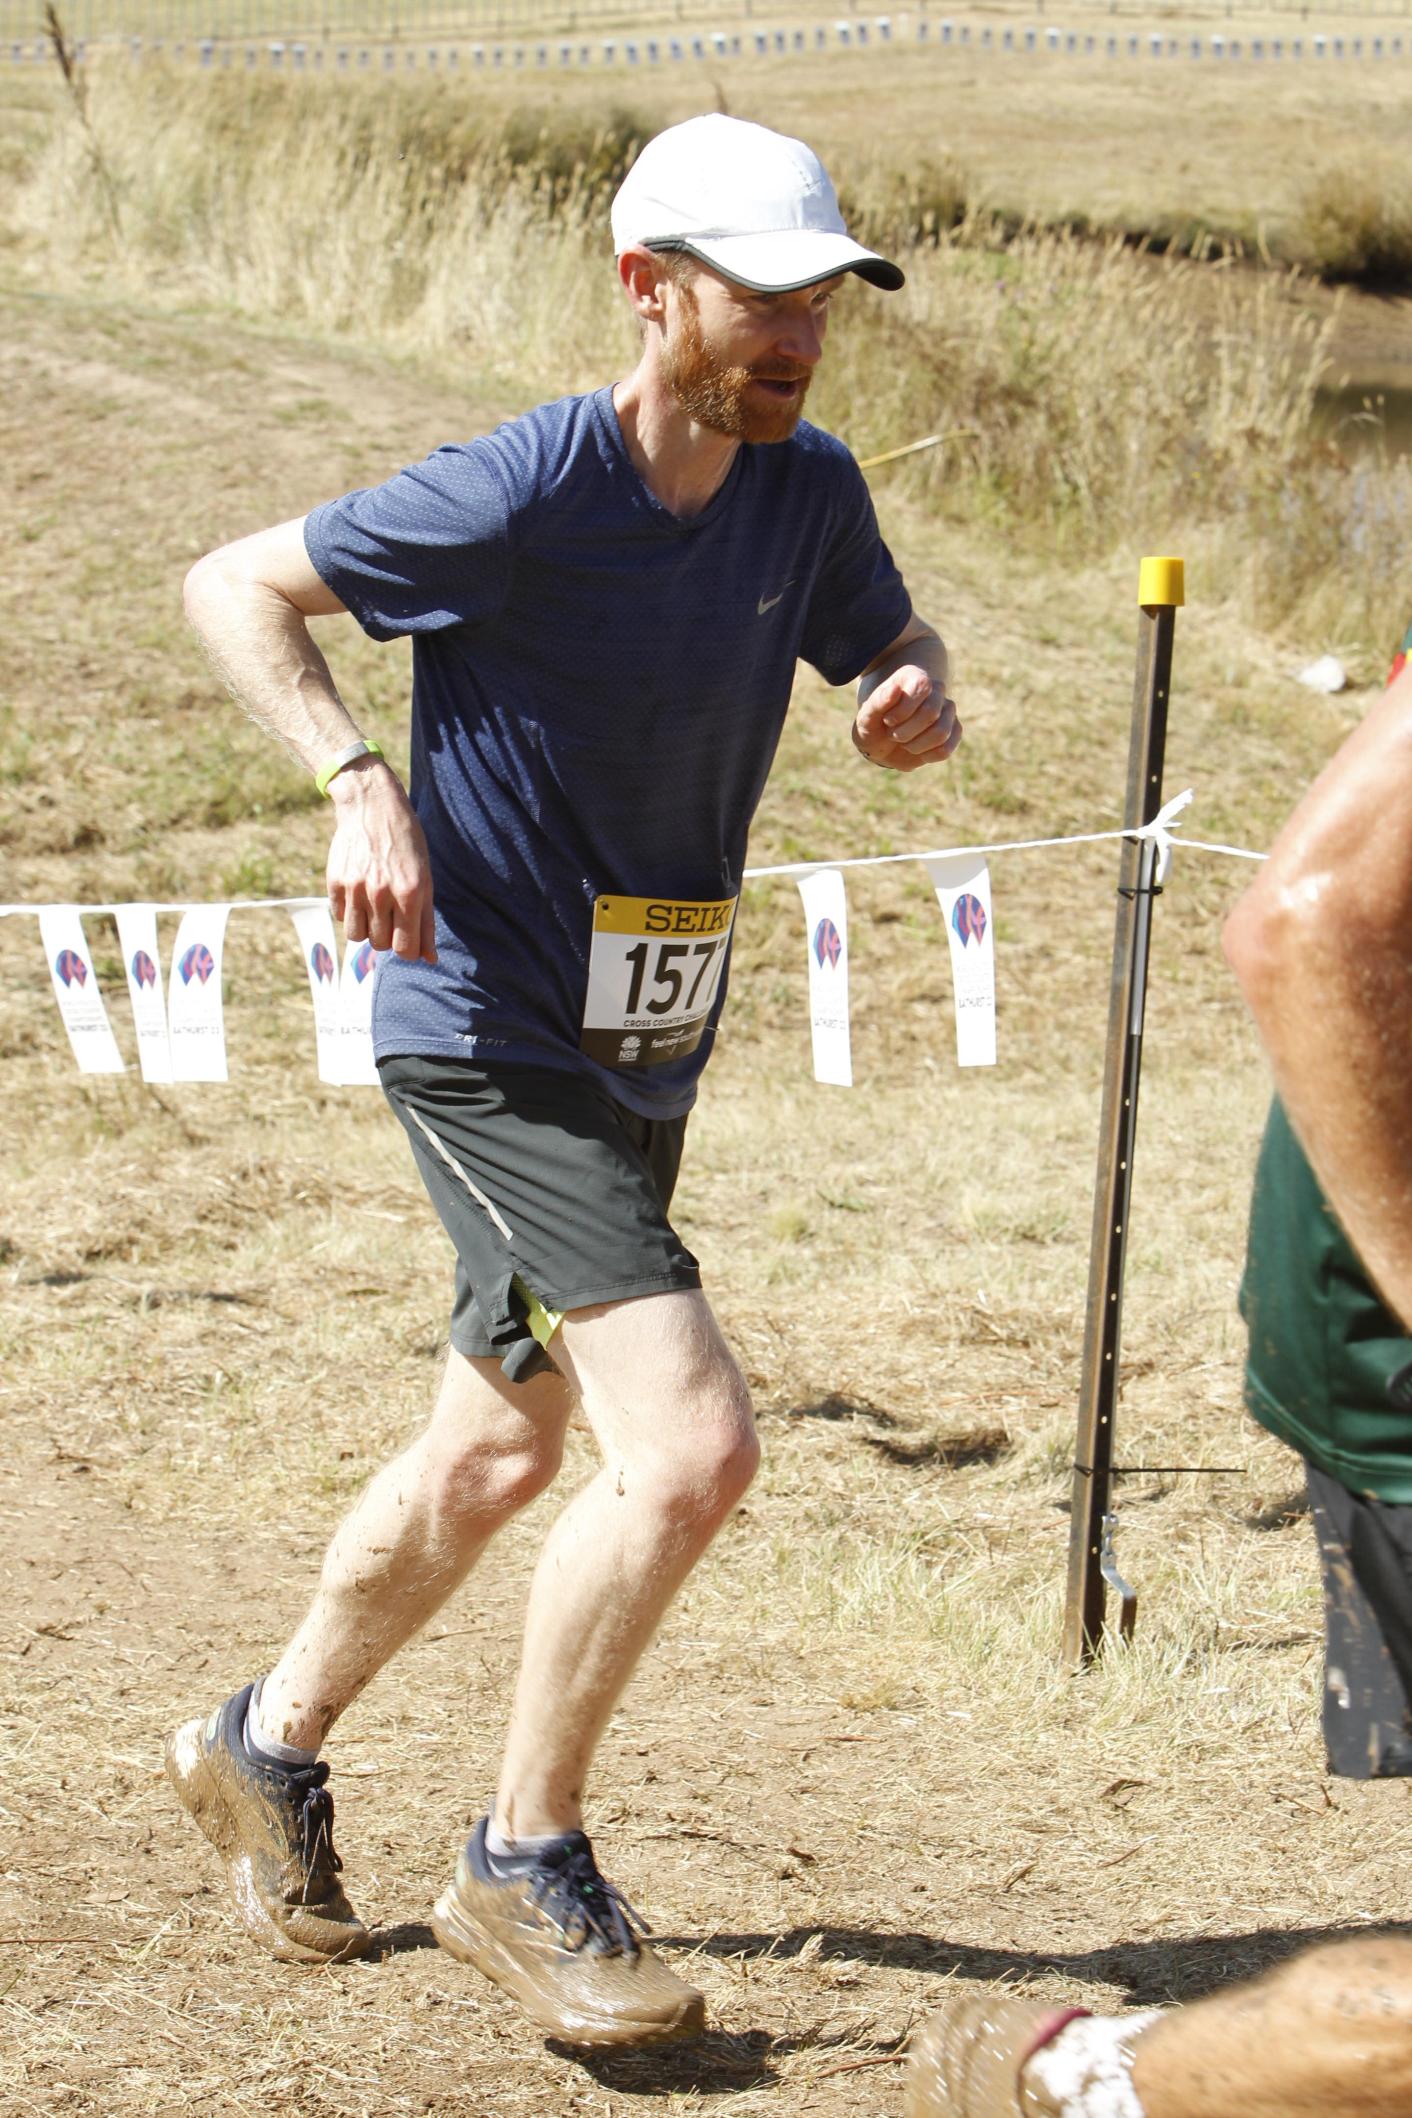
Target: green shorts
1329, 1366
554, 1195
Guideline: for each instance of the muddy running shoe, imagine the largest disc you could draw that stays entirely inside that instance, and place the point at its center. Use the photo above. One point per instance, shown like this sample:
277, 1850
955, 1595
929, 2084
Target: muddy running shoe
966, 2059
274, 1830
565, 1944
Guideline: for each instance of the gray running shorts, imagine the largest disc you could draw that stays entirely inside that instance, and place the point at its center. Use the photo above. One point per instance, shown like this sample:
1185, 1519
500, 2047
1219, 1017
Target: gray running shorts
1365, 1551
554, 1195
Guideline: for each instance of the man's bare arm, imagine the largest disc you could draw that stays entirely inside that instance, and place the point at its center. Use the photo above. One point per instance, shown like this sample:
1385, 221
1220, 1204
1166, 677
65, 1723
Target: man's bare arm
249, 603
1322, 946
906, 717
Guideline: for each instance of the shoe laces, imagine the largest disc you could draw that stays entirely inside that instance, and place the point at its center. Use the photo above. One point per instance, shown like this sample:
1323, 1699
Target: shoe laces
316, 1823
589, 1910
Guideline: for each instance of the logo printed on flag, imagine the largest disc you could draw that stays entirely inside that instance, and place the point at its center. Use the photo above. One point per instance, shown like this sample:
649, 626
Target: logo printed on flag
198, 962
321, 963
74, 980
962, 885
968, 918
363, 962
828, 943
826, 951
142, 963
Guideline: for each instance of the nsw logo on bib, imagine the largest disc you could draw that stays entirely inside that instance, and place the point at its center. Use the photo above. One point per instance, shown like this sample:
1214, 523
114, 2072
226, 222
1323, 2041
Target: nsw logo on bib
654, 967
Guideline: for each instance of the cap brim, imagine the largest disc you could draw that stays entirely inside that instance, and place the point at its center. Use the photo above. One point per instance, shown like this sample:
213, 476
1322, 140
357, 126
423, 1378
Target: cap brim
787, 258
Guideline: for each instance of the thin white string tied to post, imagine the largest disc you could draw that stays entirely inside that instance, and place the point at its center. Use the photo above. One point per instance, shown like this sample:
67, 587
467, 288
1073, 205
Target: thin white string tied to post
342, 999
1159, 829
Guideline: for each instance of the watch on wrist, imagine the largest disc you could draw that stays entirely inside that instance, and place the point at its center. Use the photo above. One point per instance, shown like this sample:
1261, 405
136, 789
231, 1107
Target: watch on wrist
329, 772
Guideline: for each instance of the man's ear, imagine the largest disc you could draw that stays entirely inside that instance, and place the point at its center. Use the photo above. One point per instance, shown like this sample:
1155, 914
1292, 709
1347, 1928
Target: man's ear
644, 283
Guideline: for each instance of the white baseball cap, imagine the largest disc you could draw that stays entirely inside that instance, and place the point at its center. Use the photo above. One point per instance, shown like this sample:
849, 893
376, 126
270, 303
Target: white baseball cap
753, 203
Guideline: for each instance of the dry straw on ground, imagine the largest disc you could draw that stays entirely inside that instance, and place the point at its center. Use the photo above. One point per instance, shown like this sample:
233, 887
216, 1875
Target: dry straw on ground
1089, 397
852, 1770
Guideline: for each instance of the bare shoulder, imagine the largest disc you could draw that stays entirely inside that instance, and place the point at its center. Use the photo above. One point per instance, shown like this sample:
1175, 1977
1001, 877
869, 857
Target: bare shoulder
1358, 812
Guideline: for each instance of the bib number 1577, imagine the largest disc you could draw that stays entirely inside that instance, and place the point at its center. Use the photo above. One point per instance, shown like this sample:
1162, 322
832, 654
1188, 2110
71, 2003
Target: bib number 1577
653, 973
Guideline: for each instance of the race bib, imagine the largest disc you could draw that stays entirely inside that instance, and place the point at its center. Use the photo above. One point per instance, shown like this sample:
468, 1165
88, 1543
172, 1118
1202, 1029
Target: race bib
654, 967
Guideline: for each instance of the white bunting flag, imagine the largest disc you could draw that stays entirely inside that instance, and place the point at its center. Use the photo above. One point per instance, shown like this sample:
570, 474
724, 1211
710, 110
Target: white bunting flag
314, 926
962, 885
137, 938
355, 1008
76, 990
195, 1017
826, 926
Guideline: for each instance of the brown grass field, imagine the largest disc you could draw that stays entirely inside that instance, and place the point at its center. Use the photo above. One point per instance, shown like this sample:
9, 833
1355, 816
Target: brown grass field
1248, 152
852, 1770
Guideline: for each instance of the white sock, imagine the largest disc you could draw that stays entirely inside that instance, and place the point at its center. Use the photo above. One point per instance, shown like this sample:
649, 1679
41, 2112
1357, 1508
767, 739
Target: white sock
270, 1746
501, 1848
1087, 2070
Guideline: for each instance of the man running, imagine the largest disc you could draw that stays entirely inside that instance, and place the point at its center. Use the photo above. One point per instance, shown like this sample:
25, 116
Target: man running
607, 599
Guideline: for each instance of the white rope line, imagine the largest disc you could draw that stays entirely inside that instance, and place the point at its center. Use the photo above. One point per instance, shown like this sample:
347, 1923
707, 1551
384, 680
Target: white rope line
887, 860
185, 904
1161, 831
1203, 845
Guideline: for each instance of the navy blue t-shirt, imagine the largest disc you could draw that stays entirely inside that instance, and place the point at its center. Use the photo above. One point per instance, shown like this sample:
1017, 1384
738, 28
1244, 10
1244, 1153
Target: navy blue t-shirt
598, 691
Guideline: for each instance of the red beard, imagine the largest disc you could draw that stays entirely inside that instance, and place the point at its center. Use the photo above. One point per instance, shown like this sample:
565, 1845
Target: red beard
730, 400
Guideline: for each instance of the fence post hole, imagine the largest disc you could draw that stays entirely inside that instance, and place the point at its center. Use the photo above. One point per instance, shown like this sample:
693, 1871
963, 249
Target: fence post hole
1160, 595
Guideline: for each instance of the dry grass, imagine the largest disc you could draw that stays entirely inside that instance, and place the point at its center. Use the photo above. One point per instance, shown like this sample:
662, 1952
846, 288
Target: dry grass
1171, 148
851, 1770
1356, 223
1093, 399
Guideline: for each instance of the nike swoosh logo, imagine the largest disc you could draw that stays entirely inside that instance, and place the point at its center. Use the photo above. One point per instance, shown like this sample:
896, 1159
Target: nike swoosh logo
768, 602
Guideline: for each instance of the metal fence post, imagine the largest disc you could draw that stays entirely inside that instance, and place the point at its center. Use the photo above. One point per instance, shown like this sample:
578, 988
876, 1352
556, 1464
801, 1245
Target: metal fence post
1160, 595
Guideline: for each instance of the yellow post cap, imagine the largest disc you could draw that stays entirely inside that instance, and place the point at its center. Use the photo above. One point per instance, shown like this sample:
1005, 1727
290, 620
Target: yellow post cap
1161, 581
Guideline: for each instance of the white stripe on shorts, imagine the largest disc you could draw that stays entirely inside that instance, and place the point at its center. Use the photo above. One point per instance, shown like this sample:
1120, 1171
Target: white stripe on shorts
450, 1160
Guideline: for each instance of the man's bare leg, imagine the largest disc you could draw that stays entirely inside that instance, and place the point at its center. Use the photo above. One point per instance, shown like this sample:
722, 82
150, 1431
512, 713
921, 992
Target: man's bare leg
413, 1536
671, 1414
1328, 2035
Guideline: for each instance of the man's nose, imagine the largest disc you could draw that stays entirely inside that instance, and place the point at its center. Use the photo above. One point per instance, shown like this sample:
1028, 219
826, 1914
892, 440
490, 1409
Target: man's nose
803, 338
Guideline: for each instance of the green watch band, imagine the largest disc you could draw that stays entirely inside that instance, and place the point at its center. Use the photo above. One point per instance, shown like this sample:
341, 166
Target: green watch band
335, 765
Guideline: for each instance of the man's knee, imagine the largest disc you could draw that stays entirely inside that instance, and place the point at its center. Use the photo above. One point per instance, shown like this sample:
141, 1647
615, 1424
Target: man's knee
724, 1462
492, 1446
703, 1460
478, 1479
667, 1401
